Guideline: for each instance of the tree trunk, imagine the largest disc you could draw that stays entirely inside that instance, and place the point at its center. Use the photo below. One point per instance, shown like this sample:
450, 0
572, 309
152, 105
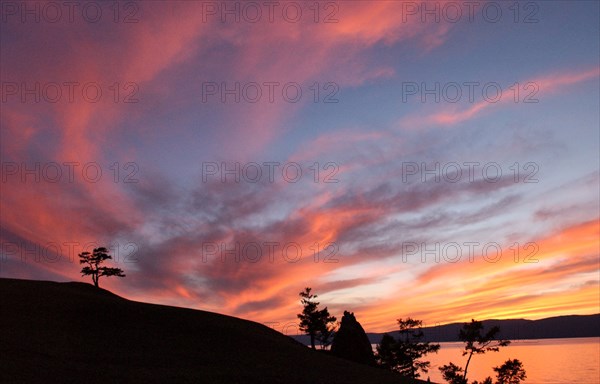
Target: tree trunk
312, 340
467, 367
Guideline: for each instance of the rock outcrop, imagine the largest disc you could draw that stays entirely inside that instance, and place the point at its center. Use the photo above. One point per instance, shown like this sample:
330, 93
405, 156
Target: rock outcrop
351, 342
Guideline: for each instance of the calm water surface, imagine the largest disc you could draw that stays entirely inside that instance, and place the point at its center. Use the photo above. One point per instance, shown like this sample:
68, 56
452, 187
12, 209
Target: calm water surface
548, 361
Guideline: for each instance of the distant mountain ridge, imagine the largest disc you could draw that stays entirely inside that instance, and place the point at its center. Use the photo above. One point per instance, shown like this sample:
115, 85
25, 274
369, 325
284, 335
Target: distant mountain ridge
511, 329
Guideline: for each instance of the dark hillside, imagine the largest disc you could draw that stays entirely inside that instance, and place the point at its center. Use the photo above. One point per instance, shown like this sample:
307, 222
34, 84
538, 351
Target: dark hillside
75, 333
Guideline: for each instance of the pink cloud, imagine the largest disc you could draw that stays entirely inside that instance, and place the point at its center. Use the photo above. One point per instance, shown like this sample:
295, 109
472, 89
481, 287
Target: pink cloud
546, 85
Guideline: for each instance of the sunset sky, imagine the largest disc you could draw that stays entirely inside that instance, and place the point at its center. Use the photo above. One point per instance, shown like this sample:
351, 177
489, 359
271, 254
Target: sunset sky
214, 146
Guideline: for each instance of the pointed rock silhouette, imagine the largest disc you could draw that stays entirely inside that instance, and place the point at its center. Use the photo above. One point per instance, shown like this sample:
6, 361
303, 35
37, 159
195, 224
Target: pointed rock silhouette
351, 342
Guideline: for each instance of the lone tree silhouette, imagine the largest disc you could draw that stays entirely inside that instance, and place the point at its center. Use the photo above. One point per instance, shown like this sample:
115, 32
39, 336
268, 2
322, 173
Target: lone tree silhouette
313, 321
93, 261
475, 343
404, 355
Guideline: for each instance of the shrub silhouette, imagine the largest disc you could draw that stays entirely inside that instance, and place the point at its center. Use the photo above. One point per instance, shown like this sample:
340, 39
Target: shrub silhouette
403, 355
453, 374
511, 372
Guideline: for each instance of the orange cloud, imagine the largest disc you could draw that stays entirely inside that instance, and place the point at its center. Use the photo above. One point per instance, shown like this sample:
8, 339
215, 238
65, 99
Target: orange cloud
457, 292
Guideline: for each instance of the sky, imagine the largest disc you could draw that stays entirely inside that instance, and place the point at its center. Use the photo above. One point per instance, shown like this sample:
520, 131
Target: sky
437, 160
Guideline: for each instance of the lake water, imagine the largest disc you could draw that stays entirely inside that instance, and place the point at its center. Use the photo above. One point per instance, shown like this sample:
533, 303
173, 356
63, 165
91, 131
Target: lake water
547, 361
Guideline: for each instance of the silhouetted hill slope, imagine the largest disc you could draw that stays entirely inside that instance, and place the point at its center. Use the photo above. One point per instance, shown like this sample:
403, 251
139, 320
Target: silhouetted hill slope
75, 333
513, 329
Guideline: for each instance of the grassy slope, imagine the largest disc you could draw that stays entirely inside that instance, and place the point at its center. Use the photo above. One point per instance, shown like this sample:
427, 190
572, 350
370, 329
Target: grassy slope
73, 332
